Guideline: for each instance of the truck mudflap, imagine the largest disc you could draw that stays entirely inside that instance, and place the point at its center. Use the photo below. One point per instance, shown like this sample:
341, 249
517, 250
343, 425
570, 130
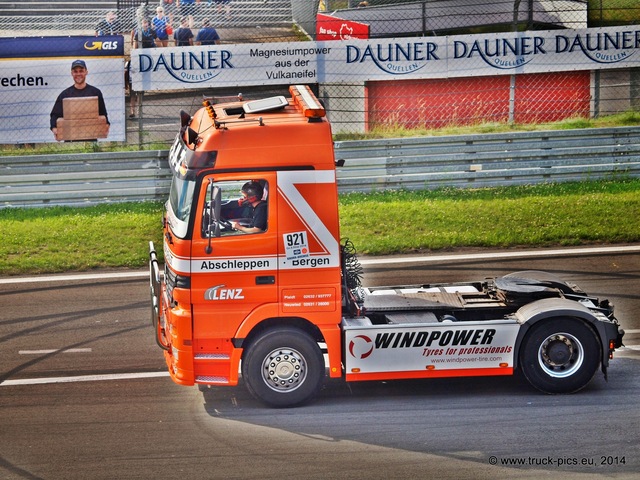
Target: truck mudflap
157, 319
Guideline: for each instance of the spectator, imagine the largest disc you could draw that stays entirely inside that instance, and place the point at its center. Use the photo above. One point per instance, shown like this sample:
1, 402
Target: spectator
146, 37
187, 7
183, 35
223, 5
207, 34
162, 25
108, 25
133, 95
168, 7
80, 88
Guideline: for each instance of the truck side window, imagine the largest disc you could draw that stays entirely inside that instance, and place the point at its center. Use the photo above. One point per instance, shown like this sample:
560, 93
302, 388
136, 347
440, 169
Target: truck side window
243, 208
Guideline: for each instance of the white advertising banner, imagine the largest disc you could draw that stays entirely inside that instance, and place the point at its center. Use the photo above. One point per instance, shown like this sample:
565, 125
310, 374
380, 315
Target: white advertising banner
438, 347
36, 75
178, 68
354, 60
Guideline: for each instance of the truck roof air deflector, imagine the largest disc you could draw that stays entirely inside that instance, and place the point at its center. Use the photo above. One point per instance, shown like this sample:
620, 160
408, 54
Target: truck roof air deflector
265, 104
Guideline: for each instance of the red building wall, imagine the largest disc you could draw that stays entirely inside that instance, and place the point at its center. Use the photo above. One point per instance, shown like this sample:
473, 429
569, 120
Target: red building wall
462, 101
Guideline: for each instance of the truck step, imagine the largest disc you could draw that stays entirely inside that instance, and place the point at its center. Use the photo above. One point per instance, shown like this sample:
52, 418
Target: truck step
212, 367
213, 380
212, 356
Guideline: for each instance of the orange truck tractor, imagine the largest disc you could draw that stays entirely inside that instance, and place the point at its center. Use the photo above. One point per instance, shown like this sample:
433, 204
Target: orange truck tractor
258, 286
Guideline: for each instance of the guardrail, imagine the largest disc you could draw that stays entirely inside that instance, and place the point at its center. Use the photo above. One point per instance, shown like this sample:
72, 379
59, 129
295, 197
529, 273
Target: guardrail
488, 160
83, 178
476, 161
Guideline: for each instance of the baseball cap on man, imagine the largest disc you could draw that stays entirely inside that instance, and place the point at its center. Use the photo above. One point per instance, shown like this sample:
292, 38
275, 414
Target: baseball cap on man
78, 63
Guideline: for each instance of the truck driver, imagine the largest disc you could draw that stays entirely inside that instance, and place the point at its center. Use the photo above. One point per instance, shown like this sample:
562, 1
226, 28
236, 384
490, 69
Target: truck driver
252, 193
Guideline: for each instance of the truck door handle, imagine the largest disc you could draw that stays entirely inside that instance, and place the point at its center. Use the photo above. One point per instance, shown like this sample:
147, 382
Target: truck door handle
265, 280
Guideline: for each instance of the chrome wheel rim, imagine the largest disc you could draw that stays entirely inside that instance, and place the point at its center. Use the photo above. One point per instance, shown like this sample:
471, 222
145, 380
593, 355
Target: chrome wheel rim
284, 370
560, 355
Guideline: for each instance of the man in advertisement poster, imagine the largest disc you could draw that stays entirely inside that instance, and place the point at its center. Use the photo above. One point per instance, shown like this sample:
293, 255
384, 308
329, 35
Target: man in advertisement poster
83, 124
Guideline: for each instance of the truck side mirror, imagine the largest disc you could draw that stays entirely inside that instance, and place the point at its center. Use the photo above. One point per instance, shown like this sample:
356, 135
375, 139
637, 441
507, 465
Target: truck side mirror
213, 229
216, 195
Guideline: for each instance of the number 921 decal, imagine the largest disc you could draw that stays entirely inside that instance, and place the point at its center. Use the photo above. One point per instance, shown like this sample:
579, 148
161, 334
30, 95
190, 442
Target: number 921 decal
296, 245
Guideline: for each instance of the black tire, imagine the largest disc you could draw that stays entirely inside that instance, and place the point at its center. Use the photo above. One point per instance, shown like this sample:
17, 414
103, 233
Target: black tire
560, 355
283, 367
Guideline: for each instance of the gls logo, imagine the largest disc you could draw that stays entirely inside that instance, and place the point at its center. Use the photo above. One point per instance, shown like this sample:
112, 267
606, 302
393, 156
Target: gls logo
220, 293
113, 45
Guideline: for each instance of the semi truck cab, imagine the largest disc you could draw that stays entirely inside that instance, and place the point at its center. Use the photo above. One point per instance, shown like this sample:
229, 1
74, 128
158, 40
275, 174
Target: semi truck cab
281, 306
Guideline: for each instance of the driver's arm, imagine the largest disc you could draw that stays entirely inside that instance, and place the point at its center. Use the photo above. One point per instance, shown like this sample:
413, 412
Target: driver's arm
240, 228
259, 220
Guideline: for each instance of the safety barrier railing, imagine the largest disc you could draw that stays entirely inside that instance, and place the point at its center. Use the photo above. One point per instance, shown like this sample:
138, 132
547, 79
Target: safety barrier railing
481, 160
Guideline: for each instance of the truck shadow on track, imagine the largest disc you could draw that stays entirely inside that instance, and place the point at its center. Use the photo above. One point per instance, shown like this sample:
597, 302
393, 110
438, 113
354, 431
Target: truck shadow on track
454, 392
484, 416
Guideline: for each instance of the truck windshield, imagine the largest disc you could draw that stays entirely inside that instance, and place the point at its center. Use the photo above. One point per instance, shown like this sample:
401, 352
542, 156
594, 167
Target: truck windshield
180, 202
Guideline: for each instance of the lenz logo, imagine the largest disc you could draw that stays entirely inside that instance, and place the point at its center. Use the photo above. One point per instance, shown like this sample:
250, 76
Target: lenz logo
220, 293
112, 45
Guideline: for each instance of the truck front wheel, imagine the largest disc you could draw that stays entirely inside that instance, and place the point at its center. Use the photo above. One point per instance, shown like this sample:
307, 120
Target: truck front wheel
560, 355
283, 367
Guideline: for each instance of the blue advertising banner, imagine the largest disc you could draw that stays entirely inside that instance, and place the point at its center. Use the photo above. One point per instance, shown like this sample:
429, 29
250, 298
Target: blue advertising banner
36, 47
62, 89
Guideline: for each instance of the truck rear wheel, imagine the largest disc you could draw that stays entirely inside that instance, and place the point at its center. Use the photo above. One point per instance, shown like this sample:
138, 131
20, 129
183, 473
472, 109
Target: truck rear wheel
560, 355
283, 367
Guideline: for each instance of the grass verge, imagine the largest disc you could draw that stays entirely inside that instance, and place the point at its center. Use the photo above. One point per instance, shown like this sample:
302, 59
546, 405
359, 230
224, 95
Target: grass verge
532, 216
624, 119
59, 239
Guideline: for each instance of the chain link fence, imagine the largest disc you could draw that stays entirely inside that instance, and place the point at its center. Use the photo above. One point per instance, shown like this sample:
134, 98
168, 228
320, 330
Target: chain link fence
245, 21
364, 106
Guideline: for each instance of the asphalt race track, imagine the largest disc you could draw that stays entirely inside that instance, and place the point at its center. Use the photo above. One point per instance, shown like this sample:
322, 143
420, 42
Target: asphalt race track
84, 394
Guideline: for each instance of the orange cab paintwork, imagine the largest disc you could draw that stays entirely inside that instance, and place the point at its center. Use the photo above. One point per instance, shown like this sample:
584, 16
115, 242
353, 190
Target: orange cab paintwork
248, 280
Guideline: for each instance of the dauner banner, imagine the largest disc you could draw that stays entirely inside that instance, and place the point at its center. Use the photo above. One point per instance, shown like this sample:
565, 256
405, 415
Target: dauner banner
356, 60
36, 104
